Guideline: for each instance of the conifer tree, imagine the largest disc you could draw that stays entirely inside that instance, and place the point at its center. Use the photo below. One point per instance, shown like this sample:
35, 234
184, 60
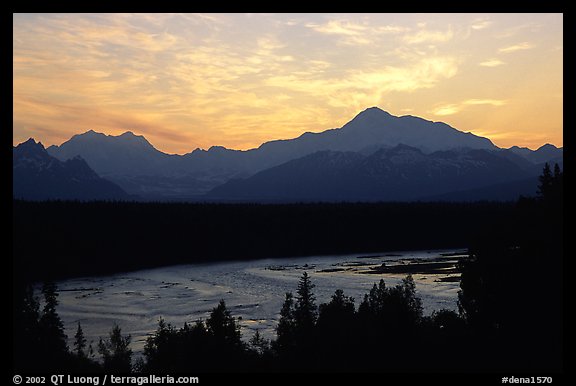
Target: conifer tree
51, 326
116, 351
286, 324
80, 342
305, 310
222, 326
259, 344
546, 181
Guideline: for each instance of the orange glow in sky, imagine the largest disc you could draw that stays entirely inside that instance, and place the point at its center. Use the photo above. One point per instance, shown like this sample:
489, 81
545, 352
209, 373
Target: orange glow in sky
196, 80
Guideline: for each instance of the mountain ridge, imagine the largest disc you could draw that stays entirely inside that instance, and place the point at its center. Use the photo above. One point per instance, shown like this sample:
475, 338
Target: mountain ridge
400, 173
39, 176
138, 167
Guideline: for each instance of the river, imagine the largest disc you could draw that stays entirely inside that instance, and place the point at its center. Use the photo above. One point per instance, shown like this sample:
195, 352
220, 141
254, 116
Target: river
253, 291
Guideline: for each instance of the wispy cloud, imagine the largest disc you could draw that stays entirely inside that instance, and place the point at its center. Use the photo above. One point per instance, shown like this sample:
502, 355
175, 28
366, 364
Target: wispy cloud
339, 27
492, 63
515, 30
454, 108
515, 137
349, 28
155, 75
517, 47
429, 36
448, 109
491, 102
239, 80
355, 33
370, 85
481, 23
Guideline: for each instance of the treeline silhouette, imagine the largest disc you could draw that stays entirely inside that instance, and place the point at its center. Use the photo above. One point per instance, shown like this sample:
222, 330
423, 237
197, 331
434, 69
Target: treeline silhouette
54, 240
387, 332
382, 334
510, 316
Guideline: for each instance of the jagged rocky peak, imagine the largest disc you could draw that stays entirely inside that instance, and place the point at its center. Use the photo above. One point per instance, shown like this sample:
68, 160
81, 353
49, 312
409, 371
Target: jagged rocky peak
31, 144
30, 149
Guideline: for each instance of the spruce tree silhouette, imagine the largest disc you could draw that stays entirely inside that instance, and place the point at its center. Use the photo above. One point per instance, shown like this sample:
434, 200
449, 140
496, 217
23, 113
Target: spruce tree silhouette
26, 337
223, 327
305, 317
446, 320
305, 309
551, 185
337, 315
259, 345
51, 326
285, 331
397, 308
80, 342
30, 313
336, 331
546, 181
557, 188
30, 317
558, 174
171, 350
116, 352
371, 309
81, 359
511, 288
413, 303
214, 345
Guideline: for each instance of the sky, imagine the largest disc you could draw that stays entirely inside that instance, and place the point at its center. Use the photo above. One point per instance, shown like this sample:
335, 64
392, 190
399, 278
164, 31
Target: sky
188, 81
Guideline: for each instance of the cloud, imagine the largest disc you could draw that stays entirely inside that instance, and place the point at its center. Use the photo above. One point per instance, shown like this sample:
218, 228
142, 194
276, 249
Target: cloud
161, 75
353, 33
349, 32
338, 27
428, 36
357, 88
348, 28
238, 80
516, 47
480, 24
160, 81
60, 121
492, 63
515, 30
449, 109
492, 102
454, 108
506, 138
423, 74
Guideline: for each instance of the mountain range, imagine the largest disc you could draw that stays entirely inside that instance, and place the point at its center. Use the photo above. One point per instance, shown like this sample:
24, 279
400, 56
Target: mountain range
400, 173
375, 156
39, 176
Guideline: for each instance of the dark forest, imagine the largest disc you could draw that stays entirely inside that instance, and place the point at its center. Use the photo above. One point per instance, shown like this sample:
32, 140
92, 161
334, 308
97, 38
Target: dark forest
510, 300
62, 239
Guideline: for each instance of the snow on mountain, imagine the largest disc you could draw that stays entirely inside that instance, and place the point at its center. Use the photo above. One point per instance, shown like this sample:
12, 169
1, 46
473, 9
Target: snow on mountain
39, 176
133, 163
400, 173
